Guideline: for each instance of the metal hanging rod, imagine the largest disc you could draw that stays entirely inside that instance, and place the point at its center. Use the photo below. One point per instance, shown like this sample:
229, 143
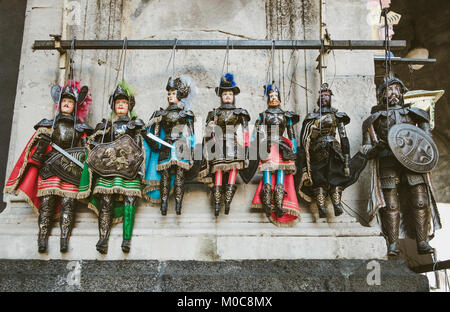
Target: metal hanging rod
62, 45
404, 60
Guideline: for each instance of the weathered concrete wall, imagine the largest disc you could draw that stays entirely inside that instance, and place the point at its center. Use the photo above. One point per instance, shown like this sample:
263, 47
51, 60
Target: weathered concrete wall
199, 276
197, 234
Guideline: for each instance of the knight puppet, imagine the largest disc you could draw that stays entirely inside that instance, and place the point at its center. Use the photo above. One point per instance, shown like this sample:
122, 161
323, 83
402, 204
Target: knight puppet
169, 160
49, 169
277, 154
397, 138
323, 160
113, 169
225, 157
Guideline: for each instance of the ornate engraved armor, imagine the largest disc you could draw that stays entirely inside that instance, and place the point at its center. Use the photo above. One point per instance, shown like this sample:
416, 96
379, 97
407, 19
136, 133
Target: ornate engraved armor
277, 155
58, 176
403, 191
117, 177
223, 154
168, 124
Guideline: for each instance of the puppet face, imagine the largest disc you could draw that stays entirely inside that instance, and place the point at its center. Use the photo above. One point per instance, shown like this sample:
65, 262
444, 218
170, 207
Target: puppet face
393, 94
325, 98
172, 96
67, 106
121, 107
273, 99
227, 97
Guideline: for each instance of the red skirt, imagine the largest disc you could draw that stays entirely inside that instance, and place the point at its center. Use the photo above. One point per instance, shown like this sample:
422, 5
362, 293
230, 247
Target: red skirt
291, 207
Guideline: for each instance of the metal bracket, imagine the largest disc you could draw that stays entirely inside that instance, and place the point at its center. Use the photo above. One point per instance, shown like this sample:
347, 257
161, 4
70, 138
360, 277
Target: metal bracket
57, 43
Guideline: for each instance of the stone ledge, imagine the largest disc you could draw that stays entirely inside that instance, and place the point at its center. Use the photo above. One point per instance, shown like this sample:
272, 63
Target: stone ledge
187, 276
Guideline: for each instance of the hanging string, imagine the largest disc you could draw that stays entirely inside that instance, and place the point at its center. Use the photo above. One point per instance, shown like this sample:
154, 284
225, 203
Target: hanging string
122, 54
72, 85
387, 56
172, 58
225, 60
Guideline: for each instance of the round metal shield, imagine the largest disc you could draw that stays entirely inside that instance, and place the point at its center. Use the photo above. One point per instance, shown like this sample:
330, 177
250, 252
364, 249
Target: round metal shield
122, 157
413, 148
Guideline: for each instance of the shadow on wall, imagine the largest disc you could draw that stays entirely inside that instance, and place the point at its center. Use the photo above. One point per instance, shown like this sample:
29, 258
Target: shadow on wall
426, 24
12, 17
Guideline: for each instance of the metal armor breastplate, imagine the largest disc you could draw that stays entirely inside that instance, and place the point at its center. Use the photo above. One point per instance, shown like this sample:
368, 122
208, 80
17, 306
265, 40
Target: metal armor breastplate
64, 133
227, 118
396, 116
327, 125
170, 121
276, 121
119, 129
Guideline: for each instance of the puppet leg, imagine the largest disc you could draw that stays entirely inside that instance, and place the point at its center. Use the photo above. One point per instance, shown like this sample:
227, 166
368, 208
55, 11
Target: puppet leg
128, 221
390, 220
66, 220
230, 189
419, 201
319, 193
45, 220
266, 193
336, 193
105, 218
278, 195
217, 192
164, 190
179, 189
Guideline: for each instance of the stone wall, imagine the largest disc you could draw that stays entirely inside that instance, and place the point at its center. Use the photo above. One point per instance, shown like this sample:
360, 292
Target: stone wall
197, 234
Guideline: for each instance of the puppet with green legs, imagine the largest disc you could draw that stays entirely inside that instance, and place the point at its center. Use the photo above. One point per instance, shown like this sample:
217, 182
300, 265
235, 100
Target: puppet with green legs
112, 175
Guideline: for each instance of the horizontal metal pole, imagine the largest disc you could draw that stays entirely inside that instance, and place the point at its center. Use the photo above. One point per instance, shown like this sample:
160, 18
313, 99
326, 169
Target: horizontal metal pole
440, 265
219, 44
404, 60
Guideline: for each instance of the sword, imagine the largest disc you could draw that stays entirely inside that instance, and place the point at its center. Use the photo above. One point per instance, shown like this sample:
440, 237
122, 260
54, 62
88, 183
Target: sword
155, 138
59, 149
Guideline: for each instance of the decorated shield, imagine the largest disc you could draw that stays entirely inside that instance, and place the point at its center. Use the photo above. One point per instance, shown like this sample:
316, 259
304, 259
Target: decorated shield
413, 148
59, 165
122, 158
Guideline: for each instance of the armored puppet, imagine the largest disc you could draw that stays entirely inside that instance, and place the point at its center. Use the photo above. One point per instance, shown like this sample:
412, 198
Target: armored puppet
48, 178
112, 174
324, 160
277, 154
170, 162
398, 140
224, 156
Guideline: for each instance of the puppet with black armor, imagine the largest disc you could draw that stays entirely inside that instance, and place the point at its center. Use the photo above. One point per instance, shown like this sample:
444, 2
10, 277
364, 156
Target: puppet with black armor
224, 156
323, 160
398, 140
112, 174
165, 164
48, 179
277, 154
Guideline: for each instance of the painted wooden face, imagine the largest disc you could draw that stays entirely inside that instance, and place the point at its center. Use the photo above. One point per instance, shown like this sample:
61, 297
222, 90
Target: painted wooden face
393, 93
67, 106
273, 98
227, 97
325, 98
121, 107
172, 96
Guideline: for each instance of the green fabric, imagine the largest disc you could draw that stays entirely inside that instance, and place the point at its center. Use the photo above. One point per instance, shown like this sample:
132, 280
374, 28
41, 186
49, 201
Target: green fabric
119, 182
84, 181
128, 221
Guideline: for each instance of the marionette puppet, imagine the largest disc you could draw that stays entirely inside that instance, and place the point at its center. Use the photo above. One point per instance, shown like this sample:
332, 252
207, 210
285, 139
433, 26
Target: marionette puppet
276, 153
112, 173
49, 169
398, 141
224, 156
169, 153
325, 163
